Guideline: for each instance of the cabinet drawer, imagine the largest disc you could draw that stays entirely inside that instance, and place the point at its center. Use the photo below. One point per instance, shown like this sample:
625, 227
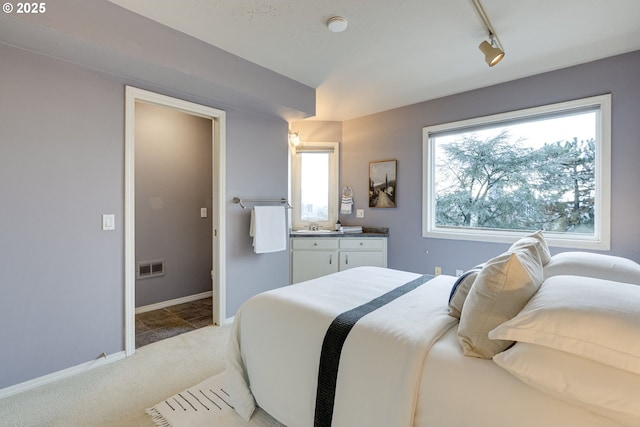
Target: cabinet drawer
370, 243
310, 244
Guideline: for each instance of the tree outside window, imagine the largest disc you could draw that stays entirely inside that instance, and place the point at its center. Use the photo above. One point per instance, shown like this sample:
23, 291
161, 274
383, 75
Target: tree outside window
511, 174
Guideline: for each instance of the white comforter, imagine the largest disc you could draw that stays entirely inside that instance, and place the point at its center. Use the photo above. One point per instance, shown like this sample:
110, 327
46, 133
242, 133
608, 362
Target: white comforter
275, 348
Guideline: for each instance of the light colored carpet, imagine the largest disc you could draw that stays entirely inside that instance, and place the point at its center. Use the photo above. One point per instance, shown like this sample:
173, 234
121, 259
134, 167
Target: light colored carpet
118, 394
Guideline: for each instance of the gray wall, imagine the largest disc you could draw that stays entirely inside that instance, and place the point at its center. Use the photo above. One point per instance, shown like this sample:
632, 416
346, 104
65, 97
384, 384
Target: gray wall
258, 170
61, 168
397, 134
173, 153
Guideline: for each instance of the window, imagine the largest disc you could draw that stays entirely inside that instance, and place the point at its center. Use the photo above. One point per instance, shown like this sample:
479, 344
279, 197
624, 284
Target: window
498, 177
314, 168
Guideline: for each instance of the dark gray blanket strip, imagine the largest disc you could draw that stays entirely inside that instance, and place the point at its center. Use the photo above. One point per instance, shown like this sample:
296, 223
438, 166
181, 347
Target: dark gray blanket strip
332, 348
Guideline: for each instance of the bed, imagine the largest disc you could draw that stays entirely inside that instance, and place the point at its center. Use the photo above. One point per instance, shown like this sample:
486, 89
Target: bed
403, 362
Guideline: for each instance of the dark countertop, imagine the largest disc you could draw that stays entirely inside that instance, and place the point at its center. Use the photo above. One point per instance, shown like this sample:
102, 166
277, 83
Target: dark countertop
366, 232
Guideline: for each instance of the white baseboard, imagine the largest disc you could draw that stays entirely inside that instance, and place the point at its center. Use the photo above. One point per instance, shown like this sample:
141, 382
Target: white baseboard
169, 303
74, 370
65, 373
228, 321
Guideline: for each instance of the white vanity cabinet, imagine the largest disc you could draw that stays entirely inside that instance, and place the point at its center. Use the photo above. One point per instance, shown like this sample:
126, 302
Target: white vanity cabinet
313, 257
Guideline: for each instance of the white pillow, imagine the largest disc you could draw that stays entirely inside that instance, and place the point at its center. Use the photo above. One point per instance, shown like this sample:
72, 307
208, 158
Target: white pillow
588, 264
503, 287
592, 318
536, 242
608, 391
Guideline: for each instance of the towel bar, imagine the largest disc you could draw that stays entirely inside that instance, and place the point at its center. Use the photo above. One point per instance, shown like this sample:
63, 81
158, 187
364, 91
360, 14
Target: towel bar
242, 202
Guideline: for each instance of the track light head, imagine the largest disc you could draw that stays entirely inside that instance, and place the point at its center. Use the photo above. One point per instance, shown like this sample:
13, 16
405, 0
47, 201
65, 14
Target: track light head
492, 53
492, 49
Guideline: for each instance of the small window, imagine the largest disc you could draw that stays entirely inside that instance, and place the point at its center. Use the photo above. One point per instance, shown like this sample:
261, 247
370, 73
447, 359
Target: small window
314, 180
496, 178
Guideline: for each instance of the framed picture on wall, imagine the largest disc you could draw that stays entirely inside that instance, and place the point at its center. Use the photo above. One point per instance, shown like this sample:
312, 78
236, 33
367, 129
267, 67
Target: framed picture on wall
383, 184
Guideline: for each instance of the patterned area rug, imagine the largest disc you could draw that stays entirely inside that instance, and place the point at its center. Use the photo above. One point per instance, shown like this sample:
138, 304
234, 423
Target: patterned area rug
205, 404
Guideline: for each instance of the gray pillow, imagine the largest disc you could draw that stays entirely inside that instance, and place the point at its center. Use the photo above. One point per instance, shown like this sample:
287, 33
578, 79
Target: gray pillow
501, 289
461, 289
534, 243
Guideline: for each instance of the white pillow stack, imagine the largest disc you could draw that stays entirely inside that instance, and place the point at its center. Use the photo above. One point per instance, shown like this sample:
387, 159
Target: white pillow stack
578, 339
593, 318
574, 319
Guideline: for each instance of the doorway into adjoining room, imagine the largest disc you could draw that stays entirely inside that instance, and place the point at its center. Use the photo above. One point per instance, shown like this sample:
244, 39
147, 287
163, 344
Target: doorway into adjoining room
173, 193
173, 227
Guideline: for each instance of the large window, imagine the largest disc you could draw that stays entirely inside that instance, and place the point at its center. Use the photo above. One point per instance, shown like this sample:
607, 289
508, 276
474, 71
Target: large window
314, 172
496, 178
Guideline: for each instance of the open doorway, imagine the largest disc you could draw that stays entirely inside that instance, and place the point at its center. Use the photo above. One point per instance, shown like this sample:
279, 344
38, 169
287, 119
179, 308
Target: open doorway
208, 213
173, 222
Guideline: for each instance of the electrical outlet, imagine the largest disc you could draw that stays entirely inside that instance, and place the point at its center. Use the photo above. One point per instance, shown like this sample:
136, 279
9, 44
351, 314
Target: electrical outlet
359, 213
438, 271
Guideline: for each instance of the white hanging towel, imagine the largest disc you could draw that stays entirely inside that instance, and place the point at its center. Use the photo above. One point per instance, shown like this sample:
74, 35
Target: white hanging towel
268, 229
345, 206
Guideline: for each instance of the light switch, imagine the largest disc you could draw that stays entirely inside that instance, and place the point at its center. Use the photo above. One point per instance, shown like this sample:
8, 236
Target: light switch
203, 212
108, 222
359, 213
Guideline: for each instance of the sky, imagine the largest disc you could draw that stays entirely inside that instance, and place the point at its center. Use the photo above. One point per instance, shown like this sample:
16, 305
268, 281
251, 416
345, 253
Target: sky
536, 133
315, 180
381, 171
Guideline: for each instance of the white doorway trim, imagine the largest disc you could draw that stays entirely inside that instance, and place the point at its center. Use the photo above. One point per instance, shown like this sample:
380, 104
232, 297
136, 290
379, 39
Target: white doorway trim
218, 276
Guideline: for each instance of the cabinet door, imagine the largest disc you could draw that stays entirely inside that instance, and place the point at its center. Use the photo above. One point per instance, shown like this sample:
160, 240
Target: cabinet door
351, 259
308, 265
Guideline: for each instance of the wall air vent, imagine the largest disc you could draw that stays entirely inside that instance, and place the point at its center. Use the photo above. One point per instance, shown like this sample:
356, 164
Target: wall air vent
147, 269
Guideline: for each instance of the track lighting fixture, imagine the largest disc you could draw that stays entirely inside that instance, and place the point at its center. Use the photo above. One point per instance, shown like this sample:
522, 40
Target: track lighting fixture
492, 49
492, 53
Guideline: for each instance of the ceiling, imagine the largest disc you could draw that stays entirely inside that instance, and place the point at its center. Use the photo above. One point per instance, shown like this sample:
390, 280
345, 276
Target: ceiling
400, 52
